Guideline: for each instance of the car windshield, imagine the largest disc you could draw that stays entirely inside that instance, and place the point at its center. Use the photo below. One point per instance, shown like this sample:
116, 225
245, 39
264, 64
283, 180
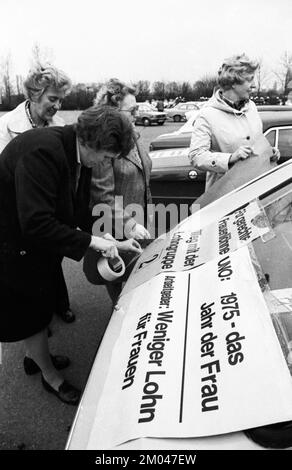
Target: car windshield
271, 256
148, 107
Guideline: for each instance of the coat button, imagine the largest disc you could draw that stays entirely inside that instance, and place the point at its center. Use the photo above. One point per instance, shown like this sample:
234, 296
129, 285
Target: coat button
213, 163
22, 252
248, 137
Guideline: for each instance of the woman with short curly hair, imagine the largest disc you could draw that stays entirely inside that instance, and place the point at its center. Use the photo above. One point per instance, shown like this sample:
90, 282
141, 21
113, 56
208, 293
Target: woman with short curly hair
229, 123
45, 87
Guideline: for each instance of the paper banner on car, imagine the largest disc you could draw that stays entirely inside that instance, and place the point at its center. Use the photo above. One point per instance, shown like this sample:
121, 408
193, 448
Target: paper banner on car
243, 172
185, 249
194, 362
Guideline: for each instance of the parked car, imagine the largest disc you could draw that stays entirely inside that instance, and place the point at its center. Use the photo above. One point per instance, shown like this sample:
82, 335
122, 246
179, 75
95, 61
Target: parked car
248, 316
178, 139
147, 115
175, 180
178, 112
182, 137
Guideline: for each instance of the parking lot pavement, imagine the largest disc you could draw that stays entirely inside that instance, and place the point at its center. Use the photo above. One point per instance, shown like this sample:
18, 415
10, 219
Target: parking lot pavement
30, 417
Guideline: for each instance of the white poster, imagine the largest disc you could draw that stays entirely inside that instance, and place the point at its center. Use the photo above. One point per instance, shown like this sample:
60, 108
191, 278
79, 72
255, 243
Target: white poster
197, 356
183, 250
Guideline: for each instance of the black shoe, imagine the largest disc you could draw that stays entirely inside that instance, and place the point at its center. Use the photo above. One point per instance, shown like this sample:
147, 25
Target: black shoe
66, 392
31, 367
68, 316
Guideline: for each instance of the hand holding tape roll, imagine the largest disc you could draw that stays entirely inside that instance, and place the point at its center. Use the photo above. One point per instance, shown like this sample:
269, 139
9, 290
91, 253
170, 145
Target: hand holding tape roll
111, 269
93, 257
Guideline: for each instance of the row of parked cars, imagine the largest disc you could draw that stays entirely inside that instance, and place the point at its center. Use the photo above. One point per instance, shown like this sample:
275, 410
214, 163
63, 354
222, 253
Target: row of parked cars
174, 180
147, 115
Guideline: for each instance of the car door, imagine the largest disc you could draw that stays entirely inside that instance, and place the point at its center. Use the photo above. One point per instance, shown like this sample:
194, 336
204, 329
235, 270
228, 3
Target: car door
284, 143
281, 137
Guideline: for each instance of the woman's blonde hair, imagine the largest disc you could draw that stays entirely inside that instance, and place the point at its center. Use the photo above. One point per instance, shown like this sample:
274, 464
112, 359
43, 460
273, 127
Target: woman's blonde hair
113, 92
41, 77
236, 69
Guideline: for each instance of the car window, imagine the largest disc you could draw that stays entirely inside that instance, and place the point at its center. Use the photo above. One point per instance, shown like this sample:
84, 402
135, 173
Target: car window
182, 106
271, 136
191, 106
272, 260
285, 142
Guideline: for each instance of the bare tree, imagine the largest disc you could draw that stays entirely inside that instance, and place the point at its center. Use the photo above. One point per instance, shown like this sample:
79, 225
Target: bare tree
6, 73
142, 90
158, 90
41, 54
261, 76
284, 74
173, 89
19, 84
205, 86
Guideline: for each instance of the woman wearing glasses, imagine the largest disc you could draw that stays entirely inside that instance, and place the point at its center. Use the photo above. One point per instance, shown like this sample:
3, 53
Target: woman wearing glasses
128, 177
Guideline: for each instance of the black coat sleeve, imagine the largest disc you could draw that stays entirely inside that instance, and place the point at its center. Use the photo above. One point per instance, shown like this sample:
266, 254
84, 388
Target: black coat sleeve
38, 182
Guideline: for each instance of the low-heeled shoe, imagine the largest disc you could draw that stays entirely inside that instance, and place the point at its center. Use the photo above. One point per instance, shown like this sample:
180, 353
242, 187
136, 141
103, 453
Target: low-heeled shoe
66, 392
68, 316
31, 367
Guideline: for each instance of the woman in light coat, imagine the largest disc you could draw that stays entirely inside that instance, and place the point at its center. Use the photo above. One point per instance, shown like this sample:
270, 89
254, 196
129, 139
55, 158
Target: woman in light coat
45, 88
229, 124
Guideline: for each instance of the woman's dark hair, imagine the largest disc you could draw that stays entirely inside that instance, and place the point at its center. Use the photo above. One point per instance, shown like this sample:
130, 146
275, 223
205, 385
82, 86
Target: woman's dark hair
104, 127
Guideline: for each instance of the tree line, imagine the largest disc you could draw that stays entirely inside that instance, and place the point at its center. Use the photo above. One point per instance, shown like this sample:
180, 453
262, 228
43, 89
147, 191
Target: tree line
83, 94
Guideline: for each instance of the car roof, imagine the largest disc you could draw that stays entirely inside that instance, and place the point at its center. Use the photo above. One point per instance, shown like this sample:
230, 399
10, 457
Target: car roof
275, 119
274, 107
186, 102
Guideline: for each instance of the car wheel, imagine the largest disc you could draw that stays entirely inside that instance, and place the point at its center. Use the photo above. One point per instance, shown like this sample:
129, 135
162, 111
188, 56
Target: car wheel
146, 122
177, 118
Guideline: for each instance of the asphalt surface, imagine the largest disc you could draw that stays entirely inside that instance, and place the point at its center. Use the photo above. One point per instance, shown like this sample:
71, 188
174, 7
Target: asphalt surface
30, 417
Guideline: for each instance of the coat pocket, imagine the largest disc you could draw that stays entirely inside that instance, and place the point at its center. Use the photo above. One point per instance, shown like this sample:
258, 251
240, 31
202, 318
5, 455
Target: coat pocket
27, 272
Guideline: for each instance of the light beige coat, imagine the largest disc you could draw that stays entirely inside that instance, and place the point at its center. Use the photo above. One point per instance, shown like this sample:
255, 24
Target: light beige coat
218, 131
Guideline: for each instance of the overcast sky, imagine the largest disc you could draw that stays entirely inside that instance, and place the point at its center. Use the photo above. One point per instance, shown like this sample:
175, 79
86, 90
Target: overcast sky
179, 40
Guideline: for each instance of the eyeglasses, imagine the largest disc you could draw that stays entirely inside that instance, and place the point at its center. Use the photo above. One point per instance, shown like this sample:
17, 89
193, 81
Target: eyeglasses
132, 111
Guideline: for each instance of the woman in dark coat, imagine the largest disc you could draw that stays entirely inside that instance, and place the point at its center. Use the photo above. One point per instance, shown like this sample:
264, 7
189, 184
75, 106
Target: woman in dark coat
44, 195
45, 88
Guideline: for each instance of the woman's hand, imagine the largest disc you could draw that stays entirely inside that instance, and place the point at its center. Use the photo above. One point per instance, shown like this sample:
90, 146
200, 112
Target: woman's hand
129, 245
276, 155
242, 153
139, 232
108, 247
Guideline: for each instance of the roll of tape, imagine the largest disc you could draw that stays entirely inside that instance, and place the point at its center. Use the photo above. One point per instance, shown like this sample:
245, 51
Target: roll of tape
111, 269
